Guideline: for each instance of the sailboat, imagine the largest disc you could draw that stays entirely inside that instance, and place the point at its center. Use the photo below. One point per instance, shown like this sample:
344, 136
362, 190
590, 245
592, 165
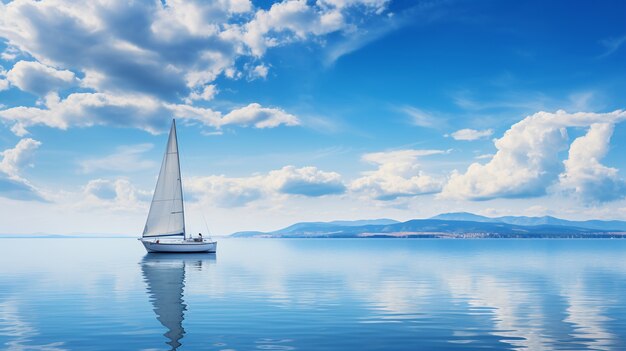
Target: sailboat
165, 226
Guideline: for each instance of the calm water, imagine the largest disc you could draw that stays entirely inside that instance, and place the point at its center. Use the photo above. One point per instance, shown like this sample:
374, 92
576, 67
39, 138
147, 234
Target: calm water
316, 294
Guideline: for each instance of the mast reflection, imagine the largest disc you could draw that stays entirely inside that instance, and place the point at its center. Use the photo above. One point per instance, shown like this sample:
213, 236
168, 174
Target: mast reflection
164, 275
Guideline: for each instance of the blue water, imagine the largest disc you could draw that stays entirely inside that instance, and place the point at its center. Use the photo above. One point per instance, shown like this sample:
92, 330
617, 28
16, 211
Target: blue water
314, 294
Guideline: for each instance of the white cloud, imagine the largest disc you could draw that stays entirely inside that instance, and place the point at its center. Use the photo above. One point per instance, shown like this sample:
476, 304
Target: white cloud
260, 117
39, 79
484, 156
165, 44
4, 83
115, 195
306, 181
471, 134
259, 71
173, 51
195, 18
125, 159
375, 5
289, 180
238, 6
294, 17
171, 47
206, 93
88, 109
226, 192
139, 111
13, 160
527, 161
12, 185
10, 53
585, 175
398, 175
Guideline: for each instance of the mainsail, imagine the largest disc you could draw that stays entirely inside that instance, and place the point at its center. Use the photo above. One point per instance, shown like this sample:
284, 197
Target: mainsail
167, 214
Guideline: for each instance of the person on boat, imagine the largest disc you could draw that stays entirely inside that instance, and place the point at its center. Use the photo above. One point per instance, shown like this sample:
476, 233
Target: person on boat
199, 238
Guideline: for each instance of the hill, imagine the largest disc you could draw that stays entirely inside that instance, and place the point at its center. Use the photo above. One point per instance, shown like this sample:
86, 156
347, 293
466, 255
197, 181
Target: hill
451, 225
534, 221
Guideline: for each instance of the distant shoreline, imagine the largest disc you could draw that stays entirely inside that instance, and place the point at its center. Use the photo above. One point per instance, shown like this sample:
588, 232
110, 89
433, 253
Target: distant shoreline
459, 225
412, 237
445, 237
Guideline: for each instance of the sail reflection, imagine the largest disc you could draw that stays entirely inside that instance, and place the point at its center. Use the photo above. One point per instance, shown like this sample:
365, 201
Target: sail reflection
164, 275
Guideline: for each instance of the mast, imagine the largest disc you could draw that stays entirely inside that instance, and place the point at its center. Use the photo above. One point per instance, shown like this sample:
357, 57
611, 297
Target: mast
180, 178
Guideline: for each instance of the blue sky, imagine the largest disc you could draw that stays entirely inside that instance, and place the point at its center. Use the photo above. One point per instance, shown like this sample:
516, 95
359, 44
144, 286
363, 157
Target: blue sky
310, 110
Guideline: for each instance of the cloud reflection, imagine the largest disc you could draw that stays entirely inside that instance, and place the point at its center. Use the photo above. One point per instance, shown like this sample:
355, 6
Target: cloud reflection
20, 332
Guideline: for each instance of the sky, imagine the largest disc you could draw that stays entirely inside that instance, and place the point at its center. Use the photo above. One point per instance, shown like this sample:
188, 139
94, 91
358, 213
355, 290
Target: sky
322, 110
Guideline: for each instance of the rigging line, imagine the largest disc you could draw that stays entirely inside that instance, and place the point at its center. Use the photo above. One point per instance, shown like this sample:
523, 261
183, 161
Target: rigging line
205, 224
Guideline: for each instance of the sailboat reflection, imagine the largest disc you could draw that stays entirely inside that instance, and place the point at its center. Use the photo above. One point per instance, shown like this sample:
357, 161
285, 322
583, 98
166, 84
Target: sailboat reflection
165, 278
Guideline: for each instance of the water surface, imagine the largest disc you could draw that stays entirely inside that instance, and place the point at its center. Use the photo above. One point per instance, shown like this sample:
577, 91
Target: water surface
314, 294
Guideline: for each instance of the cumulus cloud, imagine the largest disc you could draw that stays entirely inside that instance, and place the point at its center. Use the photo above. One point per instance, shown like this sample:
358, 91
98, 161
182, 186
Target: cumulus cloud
12, 185
259, 71
137, 64
113, 194
13, 160
527, 161
307, 181
226, 192
163, 51
90, 38
141, 111
10, 53
289, 180
125, 159
258, 116
205, 93
398, 175
585, 175
89, 109
471, 134
39, 79
295, 19
375, 5
4, 83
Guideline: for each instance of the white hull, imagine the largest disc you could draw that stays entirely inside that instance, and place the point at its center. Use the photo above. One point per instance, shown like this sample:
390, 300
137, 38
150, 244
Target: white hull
180, 246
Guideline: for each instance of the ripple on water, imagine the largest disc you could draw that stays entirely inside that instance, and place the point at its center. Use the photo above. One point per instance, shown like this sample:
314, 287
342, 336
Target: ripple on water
315, 295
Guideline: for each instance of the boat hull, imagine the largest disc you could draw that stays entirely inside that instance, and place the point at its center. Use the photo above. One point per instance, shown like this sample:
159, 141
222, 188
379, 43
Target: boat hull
182, 246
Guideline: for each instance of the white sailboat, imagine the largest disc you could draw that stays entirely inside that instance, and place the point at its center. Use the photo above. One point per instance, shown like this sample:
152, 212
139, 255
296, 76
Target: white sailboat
165, 226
